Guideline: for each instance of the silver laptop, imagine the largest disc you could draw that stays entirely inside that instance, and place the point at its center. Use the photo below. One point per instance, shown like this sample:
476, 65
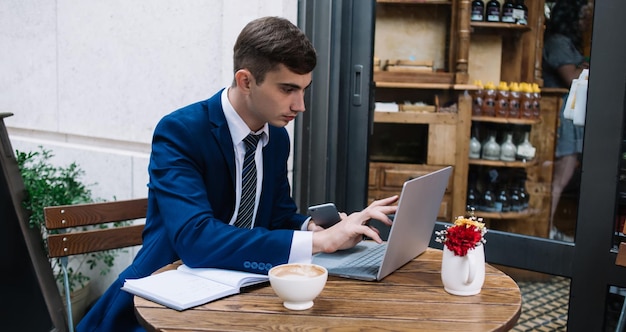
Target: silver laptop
409, 236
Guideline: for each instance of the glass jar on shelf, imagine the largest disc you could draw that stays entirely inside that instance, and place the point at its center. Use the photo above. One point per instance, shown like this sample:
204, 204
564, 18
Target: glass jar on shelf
508, 148
491, 148
475, 145
525, 150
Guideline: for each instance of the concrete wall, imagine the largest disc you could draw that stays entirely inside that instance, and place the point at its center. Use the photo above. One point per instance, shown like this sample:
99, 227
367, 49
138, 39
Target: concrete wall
90, 79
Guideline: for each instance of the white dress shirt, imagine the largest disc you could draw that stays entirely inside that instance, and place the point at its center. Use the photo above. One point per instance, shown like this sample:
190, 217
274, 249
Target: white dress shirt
302, 242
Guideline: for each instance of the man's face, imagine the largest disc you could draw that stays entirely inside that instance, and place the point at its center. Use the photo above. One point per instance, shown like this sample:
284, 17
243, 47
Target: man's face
278, 99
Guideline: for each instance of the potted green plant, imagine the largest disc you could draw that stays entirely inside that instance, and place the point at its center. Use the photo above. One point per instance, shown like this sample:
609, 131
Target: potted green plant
50, 185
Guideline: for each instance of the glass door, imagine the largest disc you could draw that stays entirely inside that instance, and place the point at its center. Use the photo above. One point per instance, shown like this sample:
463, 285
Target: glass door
589, 207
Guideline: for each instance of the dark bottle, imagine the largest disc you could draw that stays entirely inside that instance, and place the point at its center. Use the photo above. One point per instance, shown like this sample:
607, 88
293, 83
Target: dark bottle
524, 197
472, 199
478, 11
488, 201
507, 12
492, 11
502, 201
516, 204
521, 12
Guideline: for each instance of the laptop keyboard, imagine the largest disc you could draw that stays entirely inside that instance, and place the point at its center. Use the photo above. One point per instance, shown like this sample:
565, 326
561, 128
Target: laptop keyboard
369, 262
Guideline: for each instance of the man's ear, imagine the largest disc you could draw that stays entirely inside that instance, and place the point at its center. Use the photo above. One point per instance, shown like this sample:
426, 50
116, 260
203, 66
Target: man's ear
244, 79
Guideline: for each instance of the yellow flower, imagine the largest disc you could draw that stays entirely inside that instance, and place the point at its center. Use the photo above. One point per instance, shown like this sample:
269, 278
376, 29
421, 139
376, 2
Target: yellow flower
469, 222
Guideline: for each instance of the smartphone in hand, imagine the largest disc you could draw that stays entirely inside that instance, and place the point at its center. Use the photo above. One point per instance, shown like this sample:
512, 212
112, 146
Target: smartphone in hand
324, 215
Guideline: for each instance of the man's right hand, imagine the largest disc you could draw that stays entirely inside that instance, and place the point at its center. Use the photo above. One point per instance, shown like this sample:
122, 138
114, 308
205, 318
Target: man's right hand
351, 229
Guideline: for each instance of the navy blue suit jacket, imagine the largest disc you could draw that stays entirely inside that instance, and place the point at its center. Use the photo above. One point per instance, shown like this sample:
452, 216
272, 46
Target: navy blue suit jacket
191, 199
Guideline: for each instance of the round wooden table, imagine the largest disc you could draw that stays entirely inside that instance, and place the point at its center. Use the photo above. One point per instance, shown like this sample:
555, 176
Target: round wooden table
410, 299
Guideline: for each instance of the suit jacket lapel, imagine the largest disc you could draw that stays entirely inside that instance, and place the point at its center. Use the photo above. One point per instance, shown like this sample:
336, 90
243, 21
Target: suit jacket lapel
221, 132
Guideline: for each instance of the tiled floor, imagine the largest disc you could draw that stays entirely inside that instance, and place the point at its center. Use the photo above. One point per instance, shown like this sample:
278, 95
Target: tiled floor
544, 305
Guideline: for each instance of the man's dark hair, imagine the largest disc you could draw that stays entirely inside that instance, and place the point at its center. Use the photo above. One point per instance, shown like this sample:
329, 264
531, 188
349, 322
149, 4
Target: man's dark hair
269, 41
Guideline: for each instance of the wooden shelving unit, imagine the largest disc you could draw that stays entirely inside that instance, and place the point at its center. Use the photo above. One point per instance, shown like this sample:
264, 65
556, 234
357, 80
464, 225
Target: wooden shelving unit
499, 163
449, 133
447, 138
502, 27
504, 216
505, 120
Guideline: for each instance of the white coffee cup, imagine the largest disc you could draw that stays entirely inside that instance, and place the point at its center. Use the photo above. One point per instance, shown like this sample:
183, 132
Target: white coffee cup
298, 284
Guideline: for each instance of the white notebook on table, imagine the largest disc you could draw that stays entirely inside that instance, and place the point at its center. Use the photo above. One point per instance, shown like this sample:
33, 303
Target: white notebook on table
187, 287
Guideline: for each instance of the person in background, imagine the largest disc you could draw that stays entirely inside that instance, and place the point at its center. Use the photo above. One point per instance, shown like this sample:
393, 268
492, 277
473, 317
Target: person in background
197, 170
563, 61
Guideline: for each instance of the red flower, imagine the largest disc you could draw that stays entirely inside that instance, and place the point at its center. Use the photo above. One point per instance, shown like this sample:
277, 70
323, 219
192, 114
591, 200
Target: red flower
467, 233
461, 238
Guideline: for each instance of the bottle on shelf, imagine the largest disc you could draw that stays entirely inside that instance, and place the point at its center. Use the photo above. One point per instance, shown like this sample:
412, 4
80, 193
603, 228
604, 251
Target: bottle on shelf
508, 148
536, 101
516, 203
475, 145
478, 11
508, 8
492, 11
502, 101
487, 200
477, 99
502, 200
488, 197
491, 148
514, 100
472, 198
520, 12
489, 99
526, 101
524, 197
525, 150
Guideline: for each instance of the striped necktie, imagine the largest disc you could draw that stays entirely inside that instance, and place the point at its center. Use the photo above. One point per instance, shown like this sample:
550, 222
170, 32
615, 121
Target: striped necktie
248, 183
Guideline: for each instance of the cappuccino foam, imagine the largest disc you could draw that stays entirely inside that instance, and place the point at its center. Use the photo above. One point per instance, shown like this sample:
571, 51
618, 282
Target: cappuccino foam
298, 272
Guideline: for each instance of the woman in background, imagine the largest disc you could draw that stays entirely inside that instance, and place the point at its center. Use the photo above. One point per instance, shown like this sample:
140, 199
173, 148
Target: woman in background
563, 61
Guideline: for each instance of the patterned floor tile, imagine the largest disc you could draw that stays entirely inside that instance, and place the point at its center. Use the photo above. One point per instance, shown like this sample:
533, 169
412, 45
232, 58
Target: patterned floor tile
544, 305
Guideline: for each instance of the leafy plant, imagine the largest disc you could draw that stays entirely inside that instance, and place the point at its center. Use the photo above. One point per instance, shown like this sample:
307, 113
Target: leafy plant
49, 185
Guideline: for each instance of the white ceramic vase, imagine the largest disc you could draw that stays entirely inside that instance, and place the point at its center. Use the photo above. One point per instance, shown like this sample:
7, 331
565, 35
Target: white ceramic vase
463, 275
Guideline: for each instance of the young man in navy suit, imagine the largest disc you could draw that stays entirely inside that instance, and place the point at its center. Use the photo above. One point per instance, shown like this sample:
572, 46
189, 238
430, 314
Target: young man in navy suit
196, 176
